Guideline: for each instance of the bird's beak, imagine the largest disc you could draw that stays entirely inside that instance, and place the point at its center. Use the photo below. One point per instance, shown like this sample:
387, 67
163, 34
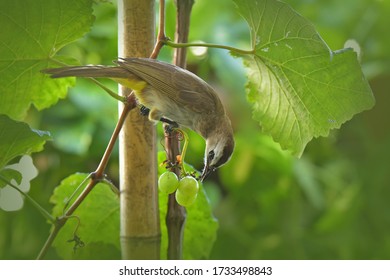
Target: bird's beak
206, 172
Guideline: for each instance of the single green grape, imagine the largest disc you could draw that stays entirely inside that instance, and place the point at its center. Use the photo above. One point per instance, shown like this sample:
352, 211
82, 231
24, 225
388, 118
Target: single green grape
187, 191
188, 185
168, 182
185, 199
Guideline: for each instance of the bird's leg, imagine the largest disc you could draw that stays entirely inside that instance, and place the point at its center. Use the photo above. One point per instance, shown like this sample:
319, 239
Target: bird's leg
171, 124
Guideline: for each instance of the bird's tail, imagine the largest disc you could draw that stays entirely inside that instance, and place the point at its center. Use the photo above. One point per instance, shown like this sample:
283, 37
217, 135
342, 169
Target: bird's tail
89, 72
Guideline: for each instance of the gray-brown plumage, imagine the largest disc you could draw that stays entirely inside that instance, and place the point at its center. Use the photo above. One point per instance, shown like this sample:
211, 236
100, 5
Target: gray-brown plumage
173, 93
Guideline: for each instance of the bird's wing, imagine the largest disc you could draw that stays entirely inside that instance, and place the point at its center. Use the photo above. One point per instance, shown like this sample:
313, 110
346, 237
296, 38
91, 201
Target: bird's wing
181, 86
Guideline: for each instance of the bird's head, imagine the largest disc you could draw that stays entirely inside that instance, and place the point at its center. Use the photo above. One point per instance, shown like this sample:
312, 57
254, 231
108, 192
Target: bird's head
219, 148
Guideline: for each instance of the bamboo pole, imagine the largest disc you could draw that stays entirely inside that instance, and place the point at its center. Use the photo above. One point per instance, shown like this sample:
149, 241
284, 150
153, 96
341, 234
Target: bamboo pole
140, 225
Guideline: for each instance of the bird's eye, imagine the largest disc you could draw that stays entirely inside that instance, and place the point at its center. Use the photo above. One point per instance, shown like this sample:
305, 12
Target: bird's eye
211, 155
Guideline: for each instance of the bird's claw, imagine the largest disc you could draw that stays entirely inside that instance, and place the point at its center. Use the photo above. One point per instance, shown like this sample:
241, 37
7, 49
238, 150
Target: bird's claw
170, 127
144, 111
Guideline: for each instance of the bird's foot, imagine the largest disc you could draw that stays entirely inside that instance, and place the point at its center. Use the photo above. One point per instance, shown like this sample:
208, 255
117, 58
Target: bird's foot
152, 115
144, 111
171, 125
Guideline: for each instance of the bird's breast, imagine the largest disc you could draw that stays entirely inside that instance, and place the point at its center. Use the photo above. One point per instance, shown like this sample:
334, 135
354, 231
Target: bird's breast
181, 113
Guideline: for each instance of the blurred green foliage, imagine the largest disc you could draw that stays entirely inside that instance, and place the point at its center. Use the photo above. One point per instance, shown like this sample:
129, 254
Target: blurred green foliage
330, 204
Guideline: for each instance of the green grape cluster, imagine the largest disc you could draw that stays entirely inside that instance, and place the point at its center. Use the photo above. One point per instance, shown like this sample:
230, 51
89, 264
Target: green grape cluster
186, 188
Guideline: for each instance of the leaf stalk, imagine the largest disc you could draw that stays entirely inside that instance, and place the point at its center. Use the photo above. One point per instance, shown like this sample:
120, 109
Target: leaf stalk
207, 45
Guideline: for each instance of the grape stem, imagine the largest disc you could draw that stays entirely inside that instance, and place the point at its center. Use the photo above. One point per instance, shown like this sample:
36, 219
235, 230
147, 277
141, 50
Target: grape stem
183, 152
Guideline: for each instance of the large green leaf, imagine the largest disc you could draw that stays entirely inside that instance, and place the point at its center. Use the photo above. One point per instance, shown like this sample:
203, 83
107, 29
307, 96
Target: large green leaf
17, 138
33, 31
299, 88
95, 222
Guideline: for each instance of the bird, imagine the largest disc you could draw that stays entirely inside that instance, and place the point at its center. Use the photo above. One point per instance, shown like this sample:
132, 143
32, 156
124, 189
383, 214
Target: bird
171, 94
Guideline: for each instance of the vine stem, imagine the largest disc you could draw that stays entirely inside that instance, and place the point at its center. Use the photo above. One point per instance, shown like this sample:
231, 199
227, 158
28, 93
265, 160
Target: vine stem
206, 45
96, 177
109, 91
161, 38
176, 214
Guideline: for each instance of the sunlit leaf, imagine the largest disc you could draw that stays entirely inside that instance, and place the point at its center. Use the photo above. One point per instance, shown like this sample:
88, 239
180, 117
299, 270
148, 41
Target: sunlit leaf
33, 31
299, 88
